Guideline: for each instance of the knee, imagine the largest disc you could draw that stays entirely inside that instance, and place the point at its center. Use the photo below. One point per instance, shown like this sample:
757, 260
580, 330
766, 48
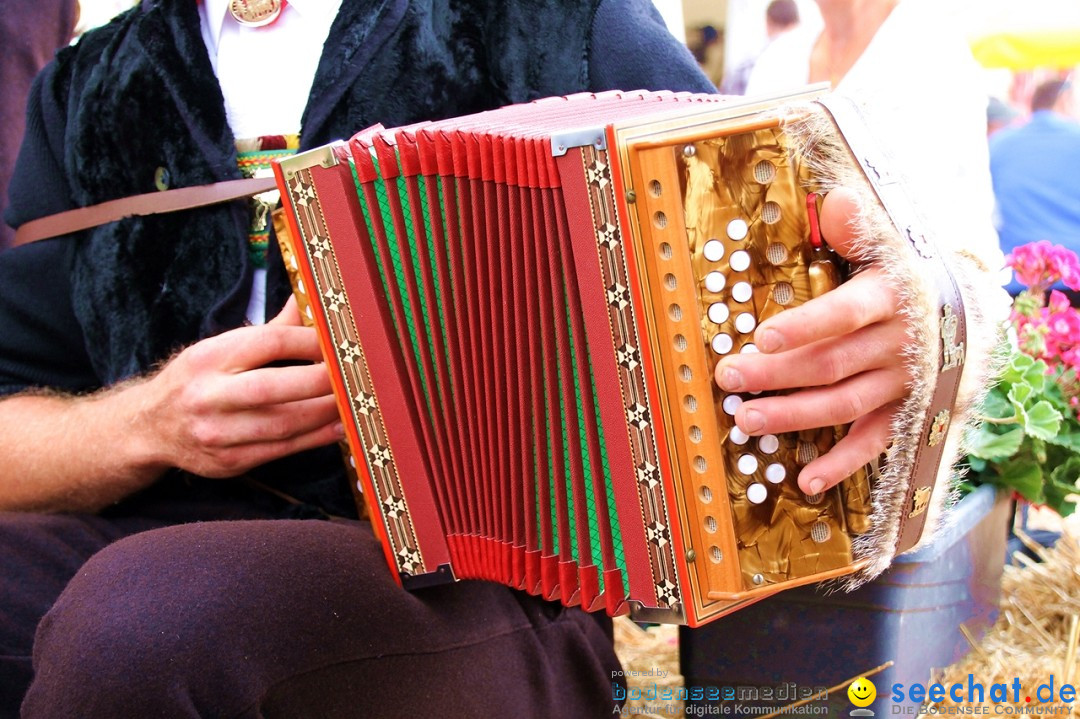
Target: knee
146, 618
123, 615
202, 612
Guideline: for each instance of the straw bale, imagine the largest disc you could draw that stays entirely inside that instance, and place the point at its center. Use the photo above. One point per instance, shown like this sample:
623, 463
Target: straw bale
650, 658
1037, 632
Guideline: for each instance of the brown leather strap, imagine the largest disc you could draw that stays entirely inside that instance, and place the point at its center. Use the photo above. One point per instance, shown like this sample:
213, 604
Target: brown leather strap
931, 445
151, 203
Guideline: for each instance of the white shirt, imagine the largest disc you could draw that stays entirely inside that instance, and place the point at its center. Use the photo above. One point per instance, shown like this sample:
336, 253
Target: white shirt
924, 95
784, 64
265, 74
924, 99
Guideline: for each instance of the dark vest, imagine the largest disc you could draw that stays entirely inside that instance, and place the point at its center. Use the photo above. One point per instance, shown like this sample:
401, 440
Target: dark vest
141, 99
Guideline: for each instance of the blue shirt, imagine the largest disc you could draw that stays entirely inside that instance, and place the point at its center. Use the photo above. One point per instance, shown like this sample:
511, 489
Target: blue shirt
1036, 174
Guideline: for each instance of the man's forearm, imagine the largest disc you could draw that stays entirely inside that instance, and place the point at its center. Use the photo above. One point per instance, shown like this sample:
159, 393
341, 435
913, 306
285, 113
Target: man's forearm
66, 454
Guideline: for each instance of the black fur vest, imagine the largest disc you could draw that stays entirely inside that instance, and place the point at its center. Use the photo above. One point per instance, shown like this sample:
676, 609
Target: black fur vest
140, 94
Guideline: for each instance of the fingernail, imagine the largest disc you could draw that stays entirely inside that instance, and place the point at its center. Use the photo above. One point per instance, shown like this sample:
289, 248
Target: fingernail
339, 430
731, 379
817, 485
752, 421
769, 341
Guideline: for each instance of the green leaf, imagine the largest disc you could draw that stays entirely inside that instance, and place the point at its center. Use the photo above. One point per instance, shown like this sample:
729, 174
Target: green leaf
1033, 449
1021, 362
1035, 375
986, 444
1068, 440
966, 487
1067, 473
1024, 476
1043, 421
1020, 415
1038, 449
1052, 394
1018, 365
997, 405
1061, 495
1019, 394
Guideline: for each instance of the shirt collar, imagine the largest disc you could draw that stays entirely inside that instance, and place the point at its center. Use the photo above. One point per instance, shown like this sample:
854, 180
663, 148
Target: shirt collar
213, 12
216, 13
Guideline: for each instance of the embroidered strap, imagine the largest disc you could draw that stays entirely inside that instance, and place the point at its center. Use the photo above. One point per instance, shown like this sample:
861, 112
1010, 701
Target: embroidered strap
254, 158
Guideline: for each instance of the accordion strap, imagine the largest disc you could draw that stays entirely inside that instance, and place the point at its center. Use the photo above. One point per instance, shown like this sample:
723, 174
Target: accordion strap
150, 203
930, 444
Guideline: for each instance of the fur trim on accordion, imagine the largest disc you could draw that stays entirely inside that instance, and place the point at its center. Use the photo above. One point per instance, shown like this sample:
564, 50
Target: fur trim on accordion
878, 242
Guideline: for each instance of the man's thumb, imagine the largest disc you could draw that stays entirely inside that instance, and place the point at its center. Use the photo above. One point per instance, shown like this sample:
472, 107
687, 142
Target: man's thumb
839, 210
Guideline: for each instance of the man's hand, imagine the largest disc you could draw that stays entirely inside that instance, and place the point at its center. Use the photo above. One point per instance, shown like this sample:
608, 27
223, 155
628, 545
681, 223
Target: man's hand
217, 410
844, 347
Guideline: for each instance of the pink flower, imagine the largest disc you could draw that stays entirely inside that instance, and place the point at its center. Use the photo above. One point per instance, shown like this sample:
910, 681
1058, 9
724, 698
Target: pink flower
1047, 326
1059, 302
1039, 265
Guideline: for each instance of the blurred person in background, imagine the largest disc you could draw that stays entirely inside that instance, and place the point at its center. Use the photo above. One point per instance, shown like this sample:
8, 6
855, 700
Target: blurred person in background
999, 115
30, 32
781, 18
1035, 173
865, 52
706, 44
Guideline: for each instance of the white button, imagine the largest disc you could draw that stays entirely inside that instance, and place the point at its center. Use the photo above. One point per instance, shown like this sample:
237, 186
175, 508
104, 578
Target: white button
718, 313
749, 348
715, 281
756, 493
722, 344
775, 473
740, 260
737, 436
768, 444
742, 292
748, 464
745, 322
731, 404
714, 250
737, 229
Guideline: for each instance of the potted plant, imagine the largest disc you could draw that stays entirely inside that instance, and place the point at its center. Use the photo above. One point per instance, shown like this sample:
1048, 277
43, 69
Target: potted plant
911, 617
1029, 442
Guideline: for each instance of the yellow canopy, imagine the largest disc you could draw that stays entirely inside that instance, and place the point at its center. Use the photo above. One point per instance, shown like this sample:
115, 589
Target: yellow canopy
1025, 34
1027, 50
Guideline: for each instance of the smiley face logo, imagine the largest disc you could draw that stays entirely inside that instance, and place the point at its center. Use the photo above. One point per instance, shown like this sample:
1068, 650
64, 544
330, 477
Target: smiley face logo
862, 692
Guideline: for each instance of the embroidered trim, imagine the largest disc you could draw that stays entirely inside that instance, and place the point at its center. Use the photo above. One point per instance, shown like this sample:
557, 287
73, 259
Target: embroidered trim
253, 158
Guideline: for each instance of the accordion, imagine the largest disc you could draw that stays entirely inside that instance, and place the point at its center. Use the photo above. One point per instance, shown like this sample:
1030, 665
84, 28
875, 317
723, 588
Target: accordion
521, 311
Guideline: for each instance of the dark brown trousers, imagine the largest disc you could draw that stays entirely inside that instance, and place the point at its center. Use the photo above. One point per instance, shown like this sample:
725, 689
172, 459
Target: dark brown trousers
271, 618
